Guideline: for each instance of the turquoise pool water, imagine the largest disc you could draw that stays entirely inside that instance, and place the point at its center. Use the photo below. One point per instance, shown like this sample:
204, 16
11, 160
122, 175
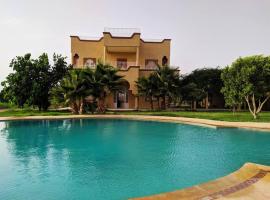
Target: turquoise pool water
117, 159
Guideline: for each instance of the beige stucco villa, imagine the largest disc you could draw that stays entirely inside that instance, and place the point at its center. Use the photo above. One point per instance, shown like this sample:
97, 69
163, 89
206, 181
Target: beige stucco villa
127, 51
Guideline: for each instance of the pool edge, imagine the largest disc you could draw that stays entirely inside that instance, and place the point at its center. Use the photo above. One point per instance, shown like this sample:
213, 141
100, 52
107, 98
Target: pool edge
260, 126
251, 181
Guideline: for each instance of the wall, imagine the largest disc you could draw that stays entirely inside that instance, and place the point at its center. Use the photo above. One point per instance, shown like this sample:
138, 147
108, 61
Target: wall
150, 50
86, 49
112, 57
134, 40
131, 75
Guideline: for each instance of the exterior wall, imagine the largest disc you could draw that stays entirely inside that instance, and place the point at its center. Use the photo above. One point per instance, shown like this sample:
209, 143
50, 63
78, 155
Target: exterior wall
143, 104
109, 40
131, 75
154, 50
86, 49
145, 72
111, 58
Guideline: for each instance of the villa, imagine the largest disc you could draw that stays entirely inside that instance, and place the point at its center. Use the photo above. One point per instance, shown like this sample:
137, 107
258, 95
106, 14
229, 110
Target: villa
126, 50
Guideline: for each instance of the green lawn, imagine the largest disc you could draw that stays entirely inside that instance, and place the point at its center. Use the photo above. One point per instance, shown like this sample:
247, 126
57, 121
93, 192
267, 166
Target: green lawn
222, 116
29, 112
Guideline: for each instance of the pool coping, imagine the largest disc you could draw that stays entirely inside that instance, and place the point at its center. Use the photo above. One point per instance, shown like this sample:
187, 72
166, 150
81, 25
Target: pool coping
251, 181
261, 126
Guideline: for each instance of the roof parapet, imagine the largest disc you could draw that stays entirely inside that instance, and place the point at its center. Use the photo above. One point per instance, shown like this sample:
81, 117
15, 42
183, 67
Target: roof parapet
122, 32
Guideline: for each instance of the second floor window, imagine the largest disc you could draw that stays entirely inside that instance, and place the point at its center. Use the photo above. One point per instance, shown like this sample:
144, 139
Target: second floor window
122, 63
151, 63
89, 62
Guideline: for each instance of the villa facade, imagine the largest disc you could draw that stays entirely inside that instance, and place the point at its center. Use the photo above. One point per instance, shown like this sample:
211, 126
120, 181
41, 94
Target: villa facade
125, 50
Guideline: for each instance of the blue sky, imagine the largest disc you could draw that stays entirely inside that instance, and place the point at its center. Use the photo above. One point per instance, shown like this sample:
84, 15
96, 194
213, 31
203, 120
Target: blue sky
204, 32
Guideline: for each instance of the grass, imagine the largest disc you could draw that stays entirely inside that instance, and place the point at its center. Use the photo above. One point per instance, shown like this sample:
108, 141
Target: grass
30, 112
5, 105
222, 116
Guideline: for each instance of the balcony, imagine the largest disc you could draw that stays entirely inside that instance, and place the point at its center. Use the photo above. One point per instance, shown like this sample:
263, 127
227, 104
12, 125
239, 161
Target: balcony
122, 65
121, 49
121, 40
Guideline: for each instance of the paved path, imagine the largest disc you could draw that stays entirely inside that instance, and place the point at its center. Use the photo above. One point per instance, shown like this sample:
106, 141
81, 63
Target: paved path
252, 181
201, 122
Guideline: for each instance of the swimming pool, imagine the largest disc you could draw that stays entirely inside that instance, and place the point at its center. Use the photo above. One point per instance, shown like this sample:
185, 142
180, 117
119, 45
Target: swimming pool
117, 159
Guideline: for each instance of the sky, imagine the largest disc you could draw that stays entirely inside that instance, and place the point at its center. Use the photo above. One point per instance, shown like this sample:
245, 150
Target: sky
204, 33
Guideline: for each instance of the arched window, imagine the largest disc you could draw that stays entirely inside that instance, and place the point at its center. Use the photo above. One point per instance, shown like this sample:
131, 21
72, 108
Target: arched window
164, 61
75, 59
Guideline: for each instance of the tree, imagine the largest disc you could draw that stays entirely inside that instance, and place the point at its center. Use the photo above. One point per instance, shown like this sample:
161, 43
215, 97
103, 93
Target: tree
17, 86
103, 81
45, 77
191, 92
168, 81
201, 83
251, 76
148, 87
32, 79
81, 83
72, 90
233, 88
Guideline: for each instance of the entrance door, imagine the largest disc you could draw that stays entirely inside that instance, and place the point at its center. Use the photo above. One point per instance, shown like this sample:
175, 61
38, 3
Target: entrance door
122, 99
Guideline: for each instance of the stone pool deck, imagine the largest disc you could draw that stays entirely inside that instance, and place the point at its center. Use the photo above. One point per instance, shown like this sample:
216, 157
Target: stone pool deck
252, 181
194, 121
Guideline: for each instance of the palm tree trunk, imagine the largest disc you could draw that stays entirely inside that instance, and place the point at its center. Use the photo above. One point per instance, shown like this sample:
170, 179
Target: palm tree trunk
74, 108
81, 106
164, 102
195, 105
151, 102
101, 104
158, 103
206, 101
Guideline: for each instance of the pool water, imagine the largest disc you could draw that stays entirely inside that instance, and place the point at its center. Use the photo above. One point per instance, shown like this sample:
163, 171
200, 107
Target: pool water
117, 159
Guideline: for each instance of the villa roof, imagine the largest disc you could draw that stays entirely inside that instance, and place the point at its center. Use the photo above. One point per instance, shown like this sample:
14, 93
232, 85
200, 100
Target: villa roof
119, 33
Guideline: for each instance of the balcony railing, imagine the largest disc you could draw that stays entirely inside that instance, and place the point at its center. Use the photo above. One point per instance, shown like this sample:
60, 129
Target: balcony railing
122, 64
125, 65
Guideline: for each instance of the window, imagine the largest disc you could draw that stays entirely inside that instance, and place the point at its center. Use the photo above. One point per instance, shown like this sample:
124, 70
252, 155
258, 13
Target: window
75, 59
122, 63
151, 63
89, 62
164, 61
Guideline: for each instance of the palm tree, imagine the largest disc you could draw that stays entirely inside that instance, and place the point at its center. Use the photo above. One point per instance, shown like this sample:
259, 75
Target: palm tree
147, 87
168, 83
80, 83
72, 90
105, 80
101, 81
